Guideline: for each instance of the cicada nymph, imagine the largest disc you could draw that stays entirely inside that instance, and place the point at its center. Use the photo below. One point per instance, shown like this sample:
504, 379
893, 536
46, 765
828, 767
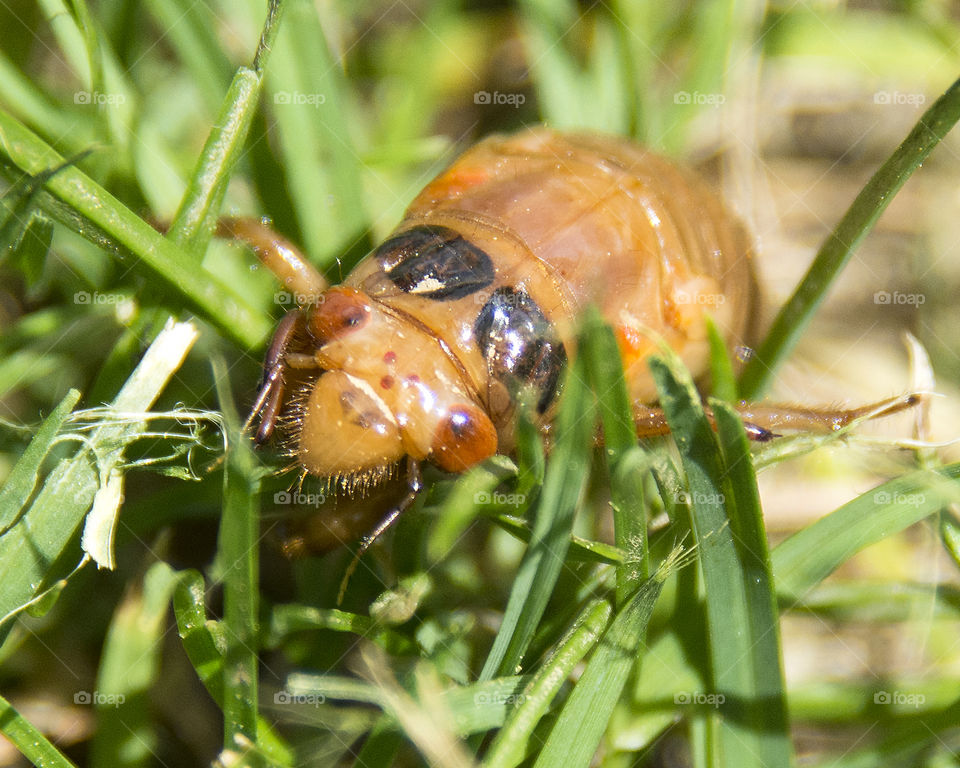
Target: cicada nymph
423, 349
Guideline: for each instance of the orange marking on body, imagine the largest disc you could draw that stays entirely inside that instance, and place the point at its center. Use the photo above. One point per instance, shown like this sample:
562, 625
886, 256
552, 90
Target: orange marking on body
634, 345
456, 181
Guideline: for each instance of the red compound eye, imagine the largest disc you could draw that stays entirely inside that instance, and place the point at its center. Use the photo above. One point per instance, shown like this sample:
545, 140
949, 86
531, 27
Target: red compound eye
341, 311
465, 437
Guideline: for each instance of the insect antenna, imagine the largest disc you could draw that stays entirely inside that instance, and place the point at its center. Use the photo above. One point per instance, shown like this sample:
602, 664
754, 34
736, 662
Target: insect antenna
414, 487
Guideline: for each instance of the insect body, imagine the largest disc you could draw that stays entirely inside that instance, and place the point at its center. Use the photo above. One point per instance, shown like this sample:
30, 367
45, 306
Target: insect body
421, 352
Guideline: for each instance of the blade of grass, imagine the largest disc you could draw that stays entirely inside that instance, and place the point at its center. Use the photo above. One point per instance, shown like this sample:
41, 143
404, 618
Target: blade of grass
626, 463
129, 668
22, 480
291, 618
380, 746
461, 506
810, 555
766, 686
214, 298
563, 490
310, 105
908, 742
196, 219
32, 744
885, 602
723, 382
22, 97
834, 254
202, 639
205, 644
510, 744
31, 252
31, 547
191, 29
581, 550
576, 734
19, 201
752, 728
238, 564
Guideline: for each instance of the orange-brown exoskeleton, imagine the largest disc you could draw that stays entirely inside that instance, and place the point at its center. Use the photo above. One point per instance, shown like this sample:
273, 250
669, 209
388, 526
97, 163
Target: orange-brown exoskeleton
421, 352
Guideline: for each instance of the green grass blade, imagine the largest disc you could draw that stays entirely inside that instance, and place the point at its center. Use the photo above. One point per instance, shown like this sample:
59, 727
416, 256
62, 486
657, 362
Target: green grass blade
723, 382
575, 736
238, 564
129, 668
562, 493
510, 744
32, 744
581, 550
205, 644
30, 255
196, 219
834, 254
880, 601
462, 505
714, 30
214, 298
191, 29
202, 640
764, 666
70, 38
626, 463
751, 731
912, 741
22, 480
309, 101
809, 556
70, 132
285, 620
474, 708
30, 549
381, 745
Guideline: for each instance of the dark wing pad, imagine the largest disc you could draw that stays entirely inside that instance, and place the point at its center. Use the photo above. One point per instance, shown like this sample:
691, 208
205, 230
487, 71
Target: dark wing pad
519, 344
435, 262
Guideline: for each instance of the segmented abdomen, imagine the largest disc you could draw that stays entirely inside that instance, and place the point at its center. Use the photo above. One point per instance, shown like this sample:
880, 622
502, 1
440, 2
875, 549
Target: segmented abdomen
499, 254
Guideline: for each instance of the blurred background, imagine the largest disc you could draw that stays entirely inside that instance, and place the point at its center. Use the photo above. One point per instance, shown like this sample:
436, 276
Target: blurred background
788, 108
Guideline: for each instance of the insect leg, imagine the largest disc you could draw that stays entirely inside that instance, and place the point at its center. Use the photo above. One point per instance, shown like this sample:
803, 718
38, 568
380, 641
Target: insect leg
277, 254
267, 404
761, 421
775, 416
414, 487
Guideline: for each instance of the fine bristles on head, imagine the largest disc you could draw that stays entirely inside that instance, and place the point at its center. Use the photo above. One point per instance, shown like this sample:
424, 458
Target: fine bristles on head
352, 482
362, 482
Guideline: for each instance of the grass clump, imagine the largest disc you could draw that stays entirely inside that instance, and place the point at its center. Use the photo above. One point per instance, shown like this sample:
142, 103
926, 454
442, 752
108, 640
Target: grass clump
605, 606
